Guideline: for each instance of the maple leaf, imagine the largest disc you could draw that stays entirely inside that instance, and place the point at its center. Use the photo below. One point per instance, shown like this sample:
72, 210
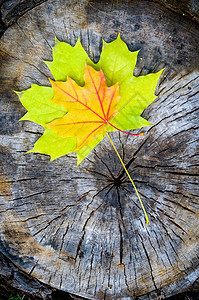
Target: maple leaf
117, 64
86, 102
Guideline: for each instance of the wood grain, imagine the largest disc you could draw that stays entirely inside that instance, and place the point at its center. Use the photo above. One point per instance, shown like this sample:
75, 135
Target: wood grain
188, 8
11, 10
82, 230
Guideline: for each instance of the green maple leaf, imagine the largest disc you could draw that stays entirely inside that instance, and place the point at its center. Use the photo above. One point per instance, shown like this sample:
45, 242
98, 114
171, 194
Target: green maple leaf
117, 64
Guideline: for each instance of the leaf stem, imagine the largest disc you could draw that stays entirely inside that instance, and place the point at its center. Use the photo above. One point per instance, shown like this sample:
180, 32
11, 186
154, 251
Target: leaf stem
146, 216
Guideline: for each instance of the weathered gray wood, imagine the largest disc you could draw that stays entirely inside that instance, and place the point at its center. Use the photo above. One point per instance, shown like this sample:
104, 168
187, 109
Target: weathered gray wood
11, 10
187, 8
12, 280
82, 230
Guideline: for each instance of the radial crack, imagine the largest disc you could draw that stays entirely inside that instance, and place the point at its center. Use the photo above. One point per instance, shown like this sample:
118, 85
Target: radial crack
149, 262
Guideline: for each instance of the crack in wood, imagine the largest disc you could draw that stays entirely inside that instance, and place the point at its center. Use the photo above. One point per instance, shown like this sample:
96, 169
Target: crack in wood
31, 271
121, 245
62, 242
98, 173
49, 223
91, 264
32, 195
132, 159
105, 164
180, 204
149, 261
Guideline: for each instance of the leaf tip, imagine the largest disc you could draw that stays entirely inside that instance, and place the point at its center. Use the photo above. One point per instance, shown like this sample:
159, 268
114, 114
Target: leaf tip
78, 45
56, 41
119, 36
19, 94
79, 159
78, 41
24, 118
31, 151
104, 43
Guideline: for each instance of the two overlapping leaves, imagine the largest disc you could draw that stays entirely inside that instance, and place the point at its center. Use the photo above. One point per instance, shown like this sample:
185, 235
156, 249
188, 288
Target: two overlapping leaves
87, 100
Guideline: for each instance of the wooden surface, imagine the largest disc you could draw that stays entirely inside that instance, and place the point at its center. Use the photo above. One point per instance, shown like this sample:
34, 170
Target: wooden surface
188, 8
82, 230
14, 281
11, 10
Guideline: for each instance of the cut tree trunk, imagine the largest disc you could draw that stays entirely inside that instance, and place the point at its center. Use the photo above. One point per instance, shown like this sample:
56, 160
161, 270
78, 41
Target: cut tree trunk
82, 229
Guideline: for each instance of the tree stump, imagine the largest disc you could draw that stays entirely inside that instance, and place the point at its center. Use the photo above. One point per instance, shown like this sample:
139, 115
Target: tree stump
82, 229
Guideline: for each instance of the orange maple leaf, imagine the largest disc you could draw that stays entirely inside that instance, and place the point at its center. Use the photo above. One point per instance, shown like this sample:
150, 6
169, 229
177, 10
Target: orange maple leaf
89, 108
